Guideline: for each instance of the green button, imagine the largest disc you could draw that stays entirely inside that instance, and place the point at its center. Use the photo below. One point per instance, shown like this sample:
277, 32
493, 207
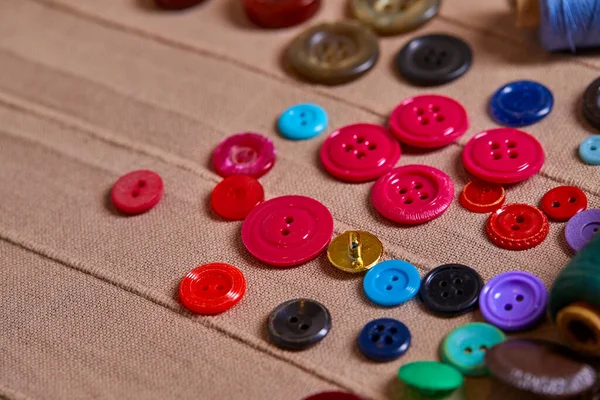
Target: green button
430, 376
464, 348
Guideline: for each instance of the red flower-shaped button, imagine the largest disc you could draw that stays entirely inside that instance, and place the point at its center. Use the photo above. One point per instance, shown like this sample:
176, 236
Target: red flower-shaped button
503, 155
360, 152
212, 288
280, 13
482, 197
235, 196
563, 202
517, 227
137, 191
244, 154
429, 121
412, 194
287, 230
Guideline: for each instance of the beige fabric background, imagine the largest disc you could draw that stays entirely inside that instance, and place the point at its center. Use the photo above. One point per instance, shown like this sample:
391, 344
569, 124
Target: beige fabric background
92, 89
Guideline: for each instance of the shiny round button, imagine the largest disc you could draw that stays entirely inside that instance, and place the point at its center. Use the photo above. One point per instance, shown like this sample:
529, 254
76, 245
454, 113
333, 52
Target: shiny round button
591, 104
396, 16
503, 155
464, 348
333, 396
334, 53
302, 121
517, 227
244, 154
287, 230
562, 202
384, 339
360, 152
589, 150
482, 197
280, 13
354, 251
431, 377
581, 228
212, 288
451, 289
235, 196
429, 121
513, 301
521, 103
137, 192
412, 194
177, 4
434, 59
391, 283
298, 324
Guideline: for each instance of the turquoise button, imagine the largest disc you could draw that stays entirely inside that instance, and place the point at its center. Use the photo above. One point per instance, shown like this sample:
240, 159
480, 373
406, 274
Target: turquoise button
589, 150
464, 348
302, 121
391, 283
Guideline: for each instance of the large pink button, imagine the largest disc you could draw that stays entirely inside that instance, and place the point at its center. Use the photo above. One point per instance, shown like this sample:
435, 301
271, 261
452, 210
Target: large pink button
287, 230
244, 154
412, 194
429, 121
360, 152
503, 155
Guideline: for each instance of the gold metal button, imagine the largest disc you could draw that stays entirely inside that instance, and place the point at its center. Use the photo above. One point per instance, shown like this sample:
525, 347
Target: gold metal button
355, 251
389, 17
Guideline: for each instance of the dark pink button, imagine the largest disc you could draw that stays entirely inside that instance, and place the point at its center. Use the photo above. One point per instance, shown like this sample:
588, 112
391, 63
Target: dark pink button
412, 194
287, 230
429, 121
360, 152
137, 191
244, 154
503, 155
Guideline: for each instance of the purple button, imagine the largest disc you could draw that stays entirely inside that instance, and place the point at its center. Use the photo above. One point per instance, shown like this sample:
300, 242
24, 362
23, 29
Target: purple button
244, 154
513, 300
581, 228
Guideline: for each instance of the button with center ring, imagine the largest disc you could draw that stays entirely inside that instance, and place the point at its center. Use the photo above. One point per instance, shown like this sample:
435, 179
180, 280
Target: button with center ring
355, 251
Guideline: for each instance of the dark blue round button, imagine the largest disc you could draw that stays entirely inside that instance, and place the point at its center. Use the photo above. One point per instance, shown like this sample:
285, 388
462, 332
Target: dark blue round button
384, 339
521, 103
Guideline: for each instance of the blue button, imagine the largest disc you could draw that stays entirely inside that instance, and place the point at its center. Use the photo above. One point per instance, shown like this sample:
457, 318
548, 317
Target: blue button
392, 283
302, 121
589, 150
384, 339
521, 103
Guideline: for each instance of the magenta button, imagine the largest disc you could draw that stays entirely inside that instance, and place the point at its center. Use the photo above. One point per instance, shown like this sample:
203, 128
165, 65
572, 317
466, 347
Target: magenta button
244, 154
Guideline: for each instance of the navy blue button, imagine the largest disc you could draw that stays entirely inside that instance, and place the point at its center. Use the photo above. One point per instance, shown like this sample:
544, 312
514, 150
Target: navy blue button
302, 121
521, 103
384, 339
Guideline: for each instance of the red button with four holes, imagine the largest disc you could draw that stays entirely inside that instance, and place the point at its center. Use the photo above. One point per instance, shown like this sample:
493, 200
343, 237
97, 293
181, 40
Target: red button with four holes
517, 227
563, 202
429, 121
234, 197
212, 288
482, 197
280, 13
137, 191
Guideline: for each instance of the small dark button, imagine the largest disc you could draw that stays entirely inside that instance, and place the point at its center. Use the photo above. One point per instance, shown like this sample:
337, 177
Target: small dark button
298, 324
177, 4
591, 103
384, 339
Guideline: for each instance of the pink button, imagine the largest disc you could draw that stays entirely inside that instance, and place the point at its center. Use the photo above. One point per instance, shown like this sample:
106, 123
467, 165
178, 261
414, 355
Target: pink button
360, 152
429, 121
244, 154
412, 194
503, 155
287, 230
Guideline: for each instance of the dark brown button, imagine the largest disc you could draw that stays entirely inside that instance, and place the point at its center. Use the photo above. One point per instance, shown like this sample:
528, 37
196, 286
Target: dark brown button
388, 17
334, 53
591, 103
177, 4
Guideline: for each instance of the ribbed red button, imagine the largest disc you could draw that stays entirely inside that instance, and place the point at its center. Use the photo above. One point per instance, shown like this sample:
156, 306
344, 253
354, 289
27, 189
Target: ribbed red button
137, 191
482, 197
563, 202
517, 227
280, 13
235, 196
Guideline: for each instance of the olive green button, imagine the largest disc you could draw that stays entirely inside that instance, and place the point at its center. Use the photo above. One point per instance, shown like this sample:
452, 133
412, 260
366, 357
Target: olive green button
388, 17
430, 376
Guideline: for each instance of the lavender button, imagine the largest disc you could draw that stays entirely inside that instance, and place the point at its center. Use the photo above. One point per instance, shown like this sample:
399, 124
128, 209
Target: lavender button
244, 154
581, 228
513, 300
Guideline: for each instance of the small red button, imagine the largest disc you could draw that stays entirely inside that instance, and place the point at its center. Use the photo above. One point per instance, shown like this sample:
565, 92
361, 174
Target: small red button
212, 288
517, 227
234, 197
137, 192
563, 202
280, 13
482, 197
333, 396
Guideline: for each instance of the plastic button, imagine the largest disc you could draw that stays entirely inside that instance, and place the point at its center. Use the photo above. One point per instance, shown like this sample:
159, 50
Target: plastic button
235, 196
482, 197
521, 103
137, 192
360, 152
431, 377
298, 324
591, 103
287, 230
302, 121
391, 283
513, 301
212, 288
384, 339
354, 251
244, 154
517, 227
581, 228
333, 396
280, 13
503, 155
464, 348
396, 16
562, 202
589, 150
177, 4
434, 59
413, 194
451, 289
429, 121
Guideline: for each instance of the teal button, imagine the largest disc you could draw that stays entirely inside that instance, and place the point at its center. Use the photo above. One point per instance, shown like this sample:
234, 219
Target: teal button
302, 121
464, 348
589, 150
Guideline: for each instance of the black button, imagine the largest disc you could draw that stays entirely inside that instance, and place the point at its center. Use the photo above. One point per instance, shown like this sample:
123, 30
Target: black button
298, 324
451, 289
591, 104
434, 59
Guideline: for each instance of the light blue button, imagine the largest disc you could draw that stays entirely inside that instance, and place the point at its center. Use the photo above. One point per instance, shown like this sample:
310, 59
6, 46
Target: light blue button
302, 121
391, 283
589, 150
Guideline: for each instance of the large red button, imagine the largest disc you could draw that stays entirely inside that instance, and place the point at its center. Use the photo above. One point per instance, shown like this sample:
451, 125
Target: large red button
563, 202
234, 197
482, 197
280, 13
212, 288
137, 191
517, 227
